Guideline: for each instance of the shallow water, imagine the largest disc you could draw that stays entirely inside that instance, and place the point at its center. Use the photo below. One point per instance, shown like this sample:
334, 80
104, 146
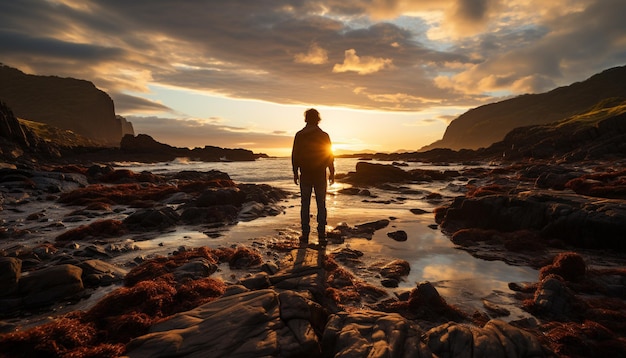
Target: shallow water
460, 278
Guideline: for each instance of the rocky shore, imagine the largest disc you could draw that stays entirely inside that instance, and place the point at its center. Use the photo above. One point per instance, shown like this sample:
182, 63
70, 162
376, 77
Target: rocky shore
64, 226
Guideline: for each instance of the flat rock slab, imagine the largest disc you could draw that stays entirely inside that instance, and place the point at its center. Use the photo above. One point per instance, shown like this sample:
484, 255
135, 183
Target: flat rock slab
250, 324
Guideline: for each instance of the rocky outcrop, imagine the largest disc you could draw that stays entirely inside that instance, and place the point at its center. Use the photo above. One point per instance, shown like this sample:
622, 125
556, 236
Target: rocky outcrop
127, 127
144, 148
18, 142
66, 103
482, 126
576, 220
368, 174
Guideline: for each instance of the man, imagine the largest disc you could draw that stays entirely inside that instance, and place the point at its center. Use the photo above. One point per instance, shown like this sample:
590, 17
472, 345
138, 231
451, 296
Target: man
310, 156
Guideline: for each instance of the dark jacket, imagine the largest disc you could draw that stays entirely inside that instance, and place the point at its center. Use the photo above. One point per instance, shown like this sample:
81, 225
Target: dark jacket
312, 154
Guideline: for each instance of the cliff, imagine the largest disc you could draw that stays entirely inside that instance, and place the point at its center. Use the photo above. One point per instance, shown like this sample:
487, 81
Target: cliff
65, 103
17, 141
482, 126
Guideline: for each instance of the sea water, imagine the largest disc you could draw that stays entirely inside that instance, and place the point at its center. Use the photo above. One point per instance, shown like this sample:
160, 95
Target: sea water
459, 277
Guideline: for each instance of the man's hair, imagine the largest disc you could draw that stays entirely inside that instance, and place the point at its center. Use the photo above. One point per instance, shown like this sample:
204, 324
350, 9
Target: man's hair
312, 116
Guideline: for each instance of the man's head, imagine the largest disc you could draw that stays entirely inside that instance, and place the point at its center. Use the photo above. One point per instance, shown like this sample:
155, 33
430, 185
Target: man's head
312, 116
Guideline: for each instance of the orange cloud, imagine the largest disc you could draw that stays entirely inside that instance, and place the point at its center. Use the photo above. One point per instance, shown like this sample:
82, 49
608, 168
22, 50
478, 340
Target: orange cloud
361, 65
316, 55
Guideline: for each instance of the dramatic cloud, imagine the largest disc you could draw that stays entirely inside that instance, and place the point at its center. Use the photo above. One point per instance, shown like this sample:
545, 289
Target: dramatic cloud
397, 55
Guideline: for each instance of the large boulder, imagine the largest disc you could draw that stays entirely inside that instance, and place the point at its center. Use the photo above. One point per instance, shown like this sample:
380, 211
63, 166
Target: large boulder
374, 173
46, 286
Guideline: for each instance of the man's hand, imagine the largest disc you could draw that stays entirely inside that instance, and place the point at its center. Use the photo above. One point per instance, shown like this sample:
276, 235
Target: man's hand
296, 178
331, 179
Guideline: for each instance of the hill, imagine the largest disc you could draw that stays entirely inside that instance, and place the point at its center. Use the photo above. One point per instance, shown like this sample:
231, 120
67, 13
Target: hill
484, 125
65, 103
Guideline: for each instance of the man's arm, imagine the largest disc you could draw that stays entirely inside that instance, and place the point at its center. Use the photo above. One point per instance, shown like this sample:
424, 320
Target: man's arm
295, 159
331, 163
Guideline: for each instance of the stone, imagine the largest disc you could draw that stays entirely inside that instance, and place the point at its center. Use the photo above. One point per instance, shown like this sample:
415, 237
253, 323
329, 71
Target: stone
48, 285
396, 269
220, 196
258, 281
10, 271
399, 235
496, 339
194, 269
553, 298
372, 334
100, 273
152, 219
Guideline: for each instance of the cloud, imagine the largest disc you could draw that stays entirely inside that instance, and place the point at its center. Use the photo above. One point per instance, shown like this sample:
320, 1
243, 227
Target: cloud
362, 66
128, 104
256, 50
315, 56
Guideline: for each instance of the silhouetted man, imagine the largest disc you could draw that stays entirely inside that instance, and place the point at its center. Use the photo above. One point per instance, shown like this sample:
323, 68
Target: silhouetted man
310, 157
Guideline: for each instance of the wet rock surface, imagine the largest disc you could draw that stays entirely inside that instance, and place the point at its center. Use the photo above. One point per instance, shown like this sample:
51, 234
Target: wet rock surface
284, 299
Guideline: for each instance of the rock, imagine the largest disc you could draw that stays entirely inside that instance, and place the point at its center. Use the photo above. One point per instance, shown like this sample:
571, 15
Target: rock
225, 214
373, 173
372, 334
399, 235
496, 339
251, 210
220, 196
390, 282
46, 286
10, 271
97, 229
577, 220
569, 265
418, 211
495, 310
553, 298
257, 281
194, 269
370, 227
100, 273
152, 219
270, 267
248, 324
555, 179
395, 269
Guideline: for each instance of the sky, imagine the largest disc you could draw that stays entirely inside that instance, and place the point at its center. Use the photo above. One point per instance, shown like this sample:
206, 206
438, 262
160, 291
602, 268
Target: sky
385, 75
